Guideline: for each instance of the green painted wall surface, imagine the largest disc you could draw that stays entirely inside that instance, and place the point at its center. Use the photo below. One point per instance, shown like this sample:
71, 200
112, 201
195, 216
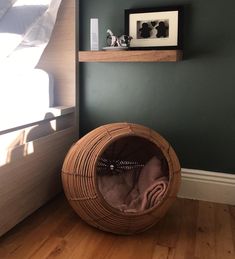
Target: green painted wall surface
190, 103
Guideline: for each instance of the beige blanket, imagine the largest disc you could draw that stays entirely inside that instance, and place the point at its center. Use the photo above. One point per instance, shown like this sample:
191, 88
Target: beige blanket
135, 191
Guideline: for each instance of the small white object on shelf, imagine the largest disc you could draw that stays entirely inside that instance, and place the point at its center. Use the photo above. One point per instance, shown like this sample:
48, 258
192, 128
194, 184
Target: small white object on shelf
94, 34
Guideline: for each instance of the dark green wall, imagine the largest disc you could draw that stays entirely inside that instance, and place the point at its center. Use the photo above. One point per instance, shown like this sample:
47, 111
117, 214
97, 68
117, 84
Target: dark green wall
190, 103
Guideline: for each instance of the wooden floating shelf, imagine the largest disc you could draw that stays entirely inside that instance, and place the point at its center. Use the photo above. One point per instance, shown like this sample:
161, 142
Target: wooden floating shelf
130, 56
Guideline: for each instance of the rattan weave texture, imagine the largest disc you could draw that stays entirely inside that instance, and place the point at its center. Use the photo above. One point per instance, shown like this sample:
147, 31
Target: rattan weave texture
88, 157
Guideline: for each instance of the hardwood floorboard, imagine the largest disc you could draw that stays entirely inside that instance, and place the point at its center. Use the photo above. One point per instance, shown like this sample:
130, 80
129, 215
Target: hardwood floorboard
224, 246
186, 239
32, 240
232, 222
205, 239
190, 230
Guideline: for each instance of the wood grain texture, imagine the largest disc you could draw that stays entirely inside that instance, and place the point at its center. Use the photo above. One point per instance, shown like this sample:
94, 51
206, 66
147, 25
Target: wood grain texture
130, 56
32, 176
59, 57
190, 230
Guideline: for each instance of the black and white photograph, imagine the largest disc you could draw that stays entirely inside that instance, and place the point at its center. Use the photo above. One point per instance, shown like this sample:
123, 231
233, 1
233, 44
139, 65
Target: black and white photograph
152, 29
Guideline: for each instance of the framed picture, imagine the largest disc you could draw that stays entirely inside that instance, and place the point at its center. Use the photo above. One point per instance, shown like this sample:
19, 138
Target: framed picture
154, 28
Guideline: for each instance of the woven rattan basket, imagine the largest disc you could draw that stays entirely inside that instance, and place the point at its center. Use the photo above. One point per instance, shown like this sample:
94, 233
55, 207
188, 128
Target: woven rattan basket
120, 147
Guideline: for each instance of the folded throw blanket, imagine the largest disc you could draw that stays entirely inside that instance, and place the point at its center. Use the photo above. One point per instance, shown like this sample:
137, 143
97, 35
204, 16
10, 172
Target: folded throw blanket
148, 199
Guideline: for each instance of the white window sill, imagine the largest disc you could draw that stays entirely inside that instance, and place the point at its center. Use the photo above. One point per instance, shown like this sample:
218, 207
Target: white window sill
11, 121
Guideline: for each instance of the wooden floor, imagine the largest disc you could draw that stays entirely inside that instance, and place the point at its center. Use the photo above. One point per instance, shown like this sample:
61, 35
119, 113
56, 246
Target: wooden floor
191, 229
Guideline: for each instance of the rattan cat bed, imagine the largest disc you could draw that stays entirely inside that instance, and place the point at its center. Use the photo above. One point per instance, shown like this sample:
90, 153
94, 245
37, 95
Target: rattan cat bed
116, 150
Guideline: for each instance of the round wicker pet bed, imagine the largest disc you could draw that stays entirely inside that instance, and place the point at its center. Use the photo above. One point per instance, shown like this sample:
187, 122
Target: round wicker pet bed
121, 177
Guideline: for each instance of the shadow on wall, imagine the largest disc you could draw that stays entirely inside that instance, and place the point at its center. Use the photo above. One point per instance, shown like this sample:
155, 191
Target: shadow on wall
23, 145
36, 132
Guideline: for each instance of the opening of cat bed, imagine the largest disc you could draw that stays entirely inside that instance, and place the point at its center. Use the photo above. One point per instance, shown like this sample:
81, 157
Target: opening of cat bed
132, 174
119, 148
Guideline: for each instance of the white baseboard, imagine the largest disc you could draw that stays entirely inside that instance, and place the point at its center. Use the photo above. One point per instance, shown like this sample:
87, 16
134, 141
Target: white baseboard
207, 186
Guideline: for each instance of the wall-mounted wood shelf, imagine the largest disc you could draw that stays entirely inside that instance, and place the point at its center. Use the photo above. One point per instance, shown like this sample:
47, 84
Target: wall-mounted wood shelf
130, 56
